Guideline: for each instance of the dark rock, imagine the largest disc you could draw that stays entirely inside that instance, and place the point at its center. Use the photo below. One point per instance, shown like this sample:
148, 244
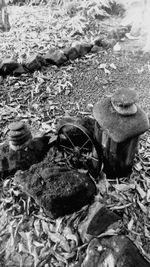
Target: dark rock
98, 41
105, 42
57, 189
98, 220
115, 251
20, 70
101, 221
82, 48
55, 57
108, 43
101, 17
95, 49
71, 53
8, 66
35, 62
119, 33
76, 33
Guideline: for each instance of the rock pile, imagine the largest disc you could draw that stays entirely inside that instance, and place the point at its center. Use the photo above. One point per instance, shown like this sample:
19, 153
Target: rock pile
59, 57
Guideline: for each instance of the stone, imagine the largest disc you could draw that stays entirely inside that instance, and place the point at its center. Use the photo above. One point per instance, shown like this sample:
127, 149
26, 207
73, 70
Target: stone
21, 151
95, 49
98, 41
98, 220
58, 190
119, 33
103, 219
113, 251
35, 62
127, 110
55, 57
8, 66
71, 53
118, 127
108, 43
15, 126
105, 42
119, 124
124, 97
19, 70
82, 48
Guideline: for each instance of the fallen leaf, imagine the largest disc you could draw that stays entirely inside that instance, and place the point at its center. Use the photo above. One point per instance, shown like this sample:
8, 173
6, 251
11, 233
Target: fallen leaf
124, 187
117, 47
113, 66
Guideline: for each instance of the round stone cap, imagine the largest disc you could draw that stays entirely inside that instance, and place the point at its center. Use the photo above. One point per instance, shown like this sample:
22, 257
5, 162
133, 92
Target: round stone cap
124, 97
15, 126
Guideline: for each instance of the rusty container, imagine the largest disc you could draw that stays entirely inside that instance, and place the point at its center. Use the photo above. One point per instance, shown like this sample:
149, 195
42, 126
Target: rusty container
119, 123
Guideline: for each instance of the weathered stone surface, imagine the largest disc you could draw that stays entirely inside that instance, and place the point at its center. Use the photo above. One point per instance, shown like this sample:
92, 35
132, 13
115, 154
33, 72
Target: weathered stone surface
22, 159
57, 189
8, 66
119, 127
20, 70
108, 43
98, 41
97, 221
95, 49
124, 97
115, 251
127, 110
82, 48
55, 57
71, 53
103, 219
35, 62
118, 33
105, 42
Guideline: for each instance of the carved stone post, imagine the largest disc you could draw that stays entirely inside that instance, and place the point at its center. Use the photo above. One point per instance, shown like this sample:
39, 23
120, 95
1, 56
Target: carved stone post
119, 122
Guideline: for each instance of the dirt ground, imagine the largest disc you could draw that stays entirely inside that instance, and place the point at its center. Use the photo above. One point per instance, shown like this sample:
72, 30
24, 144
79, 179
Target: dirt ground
91, 83
43, 97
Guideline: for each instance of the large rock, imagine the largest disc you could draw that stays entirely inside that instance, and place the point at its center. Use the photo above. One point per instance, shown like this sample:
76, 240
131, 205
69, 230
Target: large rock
115, 251
118, 127
98, 220
9, 67
71, 53
104, 42
55, 57
55, 188
35, 62
82, 48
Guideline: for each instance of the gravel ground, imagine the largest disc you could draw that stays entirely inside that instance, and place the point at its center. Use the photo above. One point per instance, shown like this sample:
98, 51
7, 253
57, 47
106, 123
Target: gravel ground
91, 83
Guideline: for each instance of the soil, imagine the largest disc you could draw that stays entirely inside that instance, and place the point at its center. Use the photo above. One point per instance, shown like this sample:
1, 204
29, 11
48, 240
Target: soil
47, 95
90, 83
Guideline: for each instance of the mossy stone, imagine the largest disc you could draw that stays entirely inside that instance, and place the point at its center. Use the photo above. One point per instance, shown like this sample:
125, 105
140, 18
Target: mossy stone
124, 97
118, 127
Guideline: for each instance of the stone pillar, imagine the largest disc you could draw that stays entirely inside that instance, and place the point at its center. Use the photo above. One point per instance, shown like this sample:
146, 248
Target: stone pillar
119, 122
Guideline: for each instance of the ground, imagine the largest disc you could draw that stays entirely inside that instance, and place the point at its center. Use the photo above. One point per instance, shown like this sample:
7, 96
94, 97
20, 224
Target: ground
43, 97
